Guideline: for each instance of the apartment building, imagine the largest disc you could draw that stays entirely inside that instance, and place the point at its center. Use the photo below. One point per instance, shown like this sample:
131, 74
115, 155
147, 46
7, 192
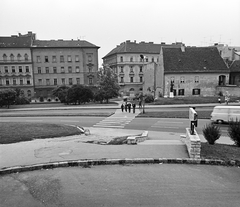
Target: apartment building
63, 62
130, 59
16, 63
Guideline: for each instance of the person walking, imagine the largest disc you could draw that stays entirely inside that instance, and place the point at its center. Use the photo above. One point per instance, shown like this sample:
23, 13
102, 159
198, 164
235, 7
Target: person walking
134, 106
140, 104
126, 106
129, 107
122, 107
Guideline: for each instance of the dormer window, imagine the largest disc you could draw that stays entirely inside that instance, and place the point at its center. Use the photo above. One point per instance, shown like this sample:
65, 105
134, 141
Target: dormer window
12, 57
121, 59
131, 59
19, 57
26, 57
4, 57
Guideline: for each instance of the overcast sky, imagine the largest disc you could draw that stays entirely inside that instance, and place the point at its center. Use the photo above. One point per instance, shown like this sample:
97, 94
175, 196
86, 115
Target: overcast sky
107, 23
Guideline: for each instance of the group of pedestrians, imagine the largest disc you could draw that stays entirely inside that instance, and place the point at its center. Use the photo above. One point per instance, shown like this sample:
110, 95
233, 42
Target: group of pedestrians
127, 106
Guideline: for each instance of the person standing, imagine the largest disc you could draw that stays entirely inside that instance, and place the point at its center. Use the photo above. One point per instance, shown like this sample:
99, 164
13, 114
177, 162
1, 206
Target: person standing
134, 106
126, 106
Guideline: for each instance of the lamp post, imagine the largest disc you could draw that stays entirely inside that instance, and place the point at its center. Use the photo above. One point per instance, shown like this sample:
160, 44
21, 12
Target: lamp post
142, 96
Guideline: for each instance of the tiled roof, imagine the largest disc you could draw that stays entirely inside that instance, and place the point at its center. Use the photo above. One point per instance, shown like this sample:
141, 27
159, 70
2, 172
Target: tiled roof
142, 47
63, 43
15, 42
235, 66
194, 59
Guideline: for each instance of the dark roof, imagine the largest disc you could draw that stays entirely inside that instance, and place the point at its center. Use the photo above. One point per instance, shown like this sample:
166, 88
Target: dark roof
194, 59
235, 66
15, 42
63, 43
142, 47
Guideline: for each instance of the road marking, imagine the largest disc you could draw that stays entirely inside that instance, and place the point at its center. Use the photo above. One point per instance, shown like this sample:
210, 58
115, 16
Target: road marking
165, 127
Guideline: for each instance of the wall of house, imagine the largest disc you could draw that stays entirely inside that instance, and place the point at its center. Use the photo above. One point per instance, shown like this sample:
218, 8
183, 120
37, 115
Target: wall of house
231, 90
206, 82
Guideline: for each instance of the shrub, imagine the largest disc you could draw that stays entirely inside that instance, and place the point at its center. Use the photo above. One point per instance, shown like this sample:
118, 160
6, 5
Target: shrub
211, 133
22, 100
234, 131
149, 98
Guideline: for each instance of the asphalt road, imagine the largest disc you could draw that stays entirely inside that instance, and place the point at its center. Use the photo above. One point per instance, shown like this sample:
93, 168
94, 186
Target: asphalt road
130, 185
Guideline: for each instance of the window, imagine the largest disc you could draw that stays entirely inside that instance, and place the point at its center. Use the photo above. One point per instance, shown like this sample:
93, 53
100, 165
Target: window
78, 80
38, 59
6, 69
140, 70
131, 79
77, 69
62, 70
39, 70
69, 58
182, 79
39, 81
69, 69
12, 57
196, 79
70, 81
131, 69
47, 69
0, 81
19, 57
21, 81
121, 59
222, 80
27, 69
181, 92
46, 59
14, 81
26, 57
141, 79
54, 59
131, 59
63, 81
7, 82
20, 69
90, 81
28, 81
61, 59
54, 69
13, 69
48, 82
121, 80
4, 57
76, 58
29, 93
146, 59
90, 69
152, 59
89, 58
196, 91
55, 81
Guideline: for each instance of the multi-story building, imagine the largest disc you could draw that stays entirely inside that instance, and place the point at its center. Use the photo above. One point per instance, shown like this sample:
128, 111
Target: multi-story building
61, 62
16, 63
126, 59
38, 66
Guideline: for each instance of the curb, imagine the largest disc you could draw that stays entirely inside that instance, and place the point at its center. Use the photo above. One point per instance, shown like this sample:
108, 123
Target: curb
92, 162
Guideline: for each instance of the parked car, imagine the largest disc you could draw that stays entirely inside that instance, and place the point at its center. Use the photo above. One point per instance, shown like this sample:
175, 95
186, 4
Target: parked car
224, 114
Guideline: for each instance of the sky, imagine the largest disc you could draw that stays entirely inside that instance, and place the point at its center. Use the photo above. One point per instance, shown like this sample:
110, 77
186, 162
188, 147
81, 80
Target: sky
107, 23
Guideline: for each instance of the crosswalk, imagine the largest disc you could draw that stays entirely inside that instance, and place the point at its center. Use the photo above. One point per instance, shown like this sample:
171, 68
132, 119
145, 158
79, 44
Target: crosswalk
118, 120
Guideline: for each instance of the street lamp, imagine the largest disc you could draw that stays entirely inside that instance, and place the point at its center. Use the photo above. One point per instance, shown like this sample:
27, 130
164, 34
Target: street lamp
142, 96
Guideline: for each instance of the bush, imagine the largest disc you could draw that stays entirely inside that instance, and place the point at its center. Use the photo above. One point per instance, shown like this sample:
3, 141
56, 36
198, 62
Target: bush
211, 133
234, 131
149, 98
21, 100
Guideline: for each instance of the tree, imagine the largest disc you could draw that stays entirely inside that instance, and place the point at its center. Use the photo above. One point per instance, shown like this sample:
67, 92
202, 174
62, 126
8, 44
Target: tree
61, 93
79, 94
108, 84
7, 97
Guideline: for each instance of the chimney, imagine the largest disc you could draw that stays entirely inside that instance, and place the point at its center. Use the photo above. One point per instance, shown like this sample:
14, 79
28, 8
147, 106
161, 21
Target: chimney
183, 47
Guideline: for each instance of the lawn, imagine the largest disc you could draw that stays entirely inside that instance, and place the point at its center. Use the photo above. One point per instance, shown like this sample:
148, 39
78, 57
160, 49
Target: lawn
11, 132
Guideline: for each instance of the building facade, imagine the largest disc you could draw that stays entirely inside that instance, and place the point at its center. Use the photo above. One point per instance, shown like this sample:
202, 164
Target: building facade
16, 64
57, 63
130, 67
192, 71
36, 67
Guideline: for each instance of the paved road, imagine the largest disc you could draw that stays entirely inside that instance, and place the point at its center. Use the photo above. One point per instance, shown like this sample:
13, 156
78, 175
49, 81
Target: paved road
130, 185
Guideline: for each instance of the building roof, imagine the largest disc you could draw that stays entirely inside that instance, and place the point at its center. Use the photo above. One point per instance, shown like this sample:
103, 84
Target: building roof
63, 43
15, 42
193, 59
141, 47
235, 66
